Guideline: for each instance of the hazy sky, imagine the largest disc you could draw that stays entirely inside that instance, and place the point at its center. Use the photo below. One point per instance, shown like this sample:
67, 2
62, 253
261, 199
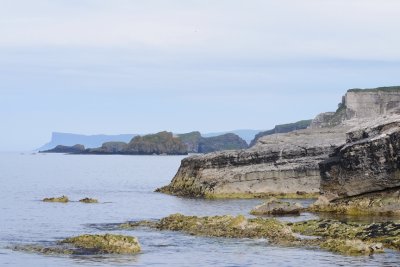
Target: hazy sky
126, 66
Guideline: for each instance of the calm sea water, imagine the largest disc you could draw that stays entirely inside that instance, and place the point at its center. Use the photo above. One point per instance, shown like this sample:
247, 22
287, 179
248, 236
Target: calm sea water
124, 185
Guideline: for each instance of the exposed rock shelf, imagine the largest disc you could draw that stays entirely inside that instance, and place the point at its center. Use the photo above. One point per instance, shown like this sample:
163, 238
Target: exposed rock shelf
282, 163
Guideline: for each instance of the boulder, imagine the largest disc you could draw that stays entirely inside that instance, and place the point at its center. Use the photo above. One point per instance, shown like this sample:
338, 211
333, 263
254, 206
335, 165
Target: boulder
105, 244
275, 207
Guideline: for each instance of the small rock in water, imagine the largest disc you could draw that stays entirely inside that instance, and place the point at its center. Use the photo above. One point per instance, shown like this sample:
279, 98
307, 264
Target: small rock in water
275, 207
88, 200
62, 199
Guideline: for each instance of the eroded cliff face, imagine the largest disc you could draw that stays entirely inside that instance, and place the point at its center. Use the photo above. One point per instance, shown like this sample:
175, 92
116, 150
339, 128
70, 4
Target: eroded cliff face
368, 162
278, 164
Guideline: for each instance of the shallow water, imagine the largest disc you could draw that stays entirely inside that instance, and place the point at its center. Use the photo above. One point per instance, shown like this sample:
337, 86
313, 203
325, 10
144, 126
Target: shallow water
124, 185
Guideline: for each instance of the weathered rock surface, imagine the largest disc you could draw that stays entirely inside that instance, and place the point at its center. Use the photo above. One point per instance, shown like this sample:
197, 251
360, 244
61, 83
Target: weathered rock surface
280, 163
282, 128
274, 207
368, 162
66, 149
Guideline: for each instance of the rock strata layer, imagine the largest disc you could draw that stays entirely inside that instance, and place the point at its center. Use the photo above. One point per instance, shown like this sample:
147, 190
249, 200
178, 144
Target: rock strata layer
278, 164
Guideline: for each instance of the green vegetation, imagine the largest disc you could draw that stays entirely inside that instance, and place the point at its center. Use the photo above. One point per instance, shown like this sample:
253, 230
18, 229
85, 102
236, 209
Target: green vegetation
385, 89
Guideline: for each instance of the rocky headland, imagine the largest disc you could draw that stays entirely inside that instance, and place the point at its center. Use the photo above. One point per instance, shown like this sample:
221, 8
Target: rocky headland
346, 153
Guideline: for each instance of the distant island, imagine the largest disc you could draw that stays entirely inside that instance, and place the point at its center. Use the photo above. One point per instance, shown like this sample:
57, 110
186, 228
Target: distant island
162, 143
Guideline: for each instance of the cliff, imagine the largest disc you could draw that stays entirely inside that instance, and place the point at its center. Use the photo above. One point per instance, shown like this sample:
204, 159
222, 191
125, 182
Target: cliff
368, 162
361, 104
285, 163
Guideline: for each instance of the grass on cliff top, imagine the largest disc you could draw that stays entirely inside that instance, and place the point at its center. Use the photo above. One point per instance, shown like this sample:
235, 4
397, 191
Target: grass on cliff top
385, 89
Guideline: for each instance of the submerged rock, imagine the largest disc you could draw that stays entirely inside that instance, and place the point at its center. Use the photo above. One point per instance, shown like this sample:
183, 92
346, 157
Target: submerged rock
62, 199
275, 207
88, 200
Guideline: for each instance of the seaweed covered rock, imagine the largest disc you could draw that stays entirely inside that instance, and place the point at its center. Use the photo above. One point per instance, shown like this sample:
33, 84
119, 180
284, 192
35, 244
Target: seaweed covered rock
105, 244
387, 233
62, 199
87, 245
378, 203
227, 226
352, 247
274, 207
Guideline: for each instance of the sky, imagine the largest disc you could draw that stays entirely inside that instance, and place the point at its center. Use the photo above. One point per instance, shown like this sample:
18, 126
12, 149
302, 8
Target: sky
127, 66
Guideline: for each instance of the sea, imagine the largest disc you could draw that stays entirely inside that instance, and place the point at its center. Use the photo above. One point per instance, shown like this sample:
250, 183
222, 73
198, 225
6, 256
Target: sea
124, 186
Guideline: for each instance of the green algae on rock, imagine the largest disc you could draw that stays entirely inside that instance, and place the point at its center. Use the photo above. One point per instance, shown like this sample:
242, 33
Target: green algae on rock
105, 244
227, 226
62, 199
352, 247
88, 200
56, 250
274, 207
344, 238
379, 203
